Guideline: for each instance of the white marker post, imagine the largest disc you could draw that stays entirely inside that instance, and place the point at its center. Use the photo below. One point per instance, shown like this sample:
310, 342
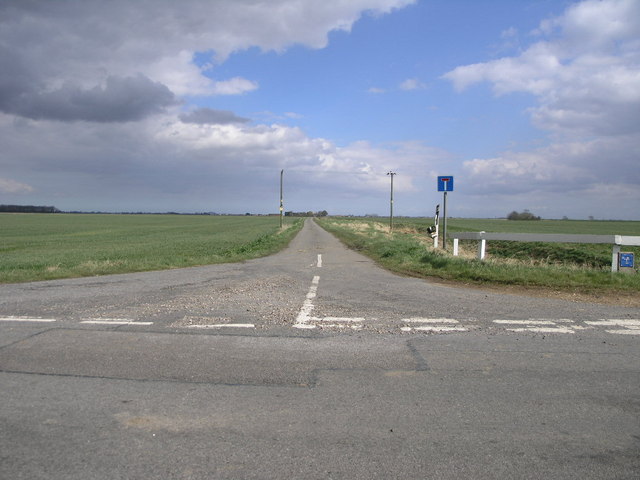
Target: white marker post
437, 225
281, 198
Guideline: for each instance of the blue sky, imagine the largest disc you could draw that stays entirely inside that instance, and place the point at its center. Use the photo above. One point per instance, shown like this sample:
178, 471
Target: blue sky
197, 106
363, 72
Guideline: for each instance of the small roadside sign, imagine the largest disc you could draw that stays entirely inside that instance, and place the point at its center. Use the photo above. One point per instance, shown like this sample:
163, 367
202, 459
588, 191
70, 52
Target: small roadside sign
626, 260
445, 183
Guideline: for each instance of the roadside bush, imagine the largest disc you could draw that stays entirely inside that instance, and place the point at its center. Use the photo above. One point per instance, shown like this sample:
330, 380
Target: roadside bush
526, 215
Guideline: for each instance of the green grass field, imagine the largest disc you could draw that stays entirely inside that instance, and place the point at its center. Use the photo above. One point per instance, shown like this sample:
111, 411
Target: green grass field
568, 267
586, 227
49, 246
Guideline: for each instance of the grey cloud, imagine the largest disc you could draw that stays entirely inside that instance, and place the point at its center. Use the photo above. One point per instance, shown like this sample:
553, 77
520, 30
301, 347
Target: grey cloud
57, 54
15, 77
121, 99
211, 116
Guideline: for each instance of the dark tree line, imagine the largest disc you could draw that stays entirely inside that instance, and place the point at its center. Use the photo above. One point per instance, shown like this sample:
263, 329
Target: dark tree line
27, 209
323, 213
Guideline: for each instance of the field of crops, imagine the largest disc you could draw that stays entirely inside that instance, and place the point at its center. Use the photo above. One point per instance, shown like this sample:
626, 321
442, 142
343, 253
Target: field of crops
48, 246
570, 267
586, 227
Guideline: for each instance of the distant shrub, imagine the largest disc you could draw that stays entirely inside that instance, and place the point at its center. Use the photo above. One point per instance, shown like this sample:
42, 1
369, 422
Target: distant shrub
526, 215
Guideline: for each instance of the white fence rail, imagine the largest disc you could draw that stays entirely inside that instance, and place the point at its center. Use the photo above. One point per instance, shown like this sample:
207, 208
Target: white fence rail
616, 240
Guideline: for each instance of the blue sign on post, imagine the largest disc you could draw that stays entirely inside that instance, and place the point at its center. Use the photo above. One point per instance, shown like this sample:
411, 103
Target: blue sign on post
445, 184
626, 260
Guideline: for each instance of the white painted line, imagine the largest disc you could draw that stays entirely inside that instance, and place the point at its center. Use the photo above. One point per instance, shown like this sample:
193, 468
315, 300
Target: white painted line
440, 329
105, 319
319, 260
27, 319
307, 307
113, 321
430, 320
525, 322
616, 323
340, 319
542, 330
338, 325
625, 332
223, 325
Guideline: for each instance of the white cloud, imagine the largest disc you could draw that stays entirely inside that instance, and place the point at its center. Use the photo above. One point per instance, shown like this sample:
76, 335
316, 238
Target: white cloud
89, 95
584, 72
234, 86
412, 84
81, 44
165, 164
562, 166
8, 185
586, 75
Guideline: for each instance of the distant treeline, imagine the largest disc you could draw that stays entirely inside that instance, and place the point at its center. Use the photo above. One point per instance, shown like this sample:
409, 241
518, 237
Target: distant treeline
323, 213
47, 209
526, 215
27, 209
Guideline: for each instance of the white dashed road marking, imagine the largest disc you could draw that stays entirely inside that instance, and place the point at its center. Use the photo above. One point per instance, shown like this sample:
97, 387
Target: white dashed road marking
319, 260
538, 325
305, 320
629, 327
340, 319
223, 325
440, 325
113, 321
27, 319
302, 321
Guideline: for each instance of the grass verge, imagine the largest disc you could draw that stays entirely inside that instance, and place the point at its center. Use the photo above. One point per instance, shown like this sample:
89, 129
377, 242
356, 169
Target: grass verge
51, 246
409, 251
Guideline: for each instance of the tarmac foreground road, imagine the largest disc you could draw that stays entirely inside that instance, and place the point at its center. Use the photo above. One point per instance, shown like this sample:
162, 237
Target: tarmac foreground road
312, 363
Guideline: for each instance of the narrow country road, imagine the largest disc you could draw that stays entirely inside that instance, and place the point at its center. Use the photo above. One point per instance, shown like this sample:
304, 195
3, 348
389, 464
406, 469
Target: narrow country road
313, 363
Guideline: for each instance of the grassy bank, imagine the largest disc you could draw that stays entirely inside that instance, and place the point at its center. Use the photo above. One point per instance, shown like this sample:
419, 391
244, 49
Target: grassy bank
49, 246
553, 266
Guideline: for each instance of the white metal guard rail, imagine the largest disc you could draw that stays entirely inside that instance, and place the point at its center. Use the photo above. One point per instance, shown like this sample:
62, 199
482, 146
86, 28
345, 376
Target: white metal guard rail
616, 240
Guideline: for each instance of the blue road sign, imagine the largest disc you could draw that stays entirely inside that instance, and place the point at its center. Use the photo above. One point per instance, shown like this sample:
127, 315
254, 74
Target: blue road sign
445, 184
626, 260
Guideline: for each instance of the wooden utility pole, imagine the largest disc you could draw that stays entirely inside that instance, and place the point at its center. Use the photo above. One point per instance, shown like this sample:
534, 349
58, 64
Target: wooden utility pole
281, 197
391, 174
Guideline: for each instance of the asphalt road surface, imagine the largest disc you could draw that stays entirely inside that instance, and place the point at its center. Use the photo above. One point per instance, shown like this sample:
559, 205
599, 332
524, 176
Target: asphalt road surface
315, 364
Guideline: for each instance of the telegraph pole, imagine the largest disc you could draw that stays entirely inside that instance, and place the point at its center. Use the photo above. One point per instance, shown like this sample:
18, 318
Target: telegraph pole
391, 174
281, 198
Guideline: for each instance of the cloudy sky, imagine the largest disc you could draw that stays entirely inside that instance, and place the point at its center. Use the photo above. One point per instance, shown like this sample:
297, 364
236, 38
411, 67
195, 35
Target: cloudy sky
194, 106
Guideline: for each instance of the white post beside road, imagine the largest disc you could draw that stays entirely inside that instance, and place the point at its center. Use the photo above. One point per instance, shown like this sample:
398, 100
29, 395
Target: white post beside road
482, 248
455, 247
614, 258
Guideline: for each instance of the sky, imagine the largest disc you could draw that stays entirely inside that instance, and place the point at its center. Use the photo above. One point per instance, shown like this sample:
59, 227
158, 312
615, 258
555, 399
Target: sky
197, 106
